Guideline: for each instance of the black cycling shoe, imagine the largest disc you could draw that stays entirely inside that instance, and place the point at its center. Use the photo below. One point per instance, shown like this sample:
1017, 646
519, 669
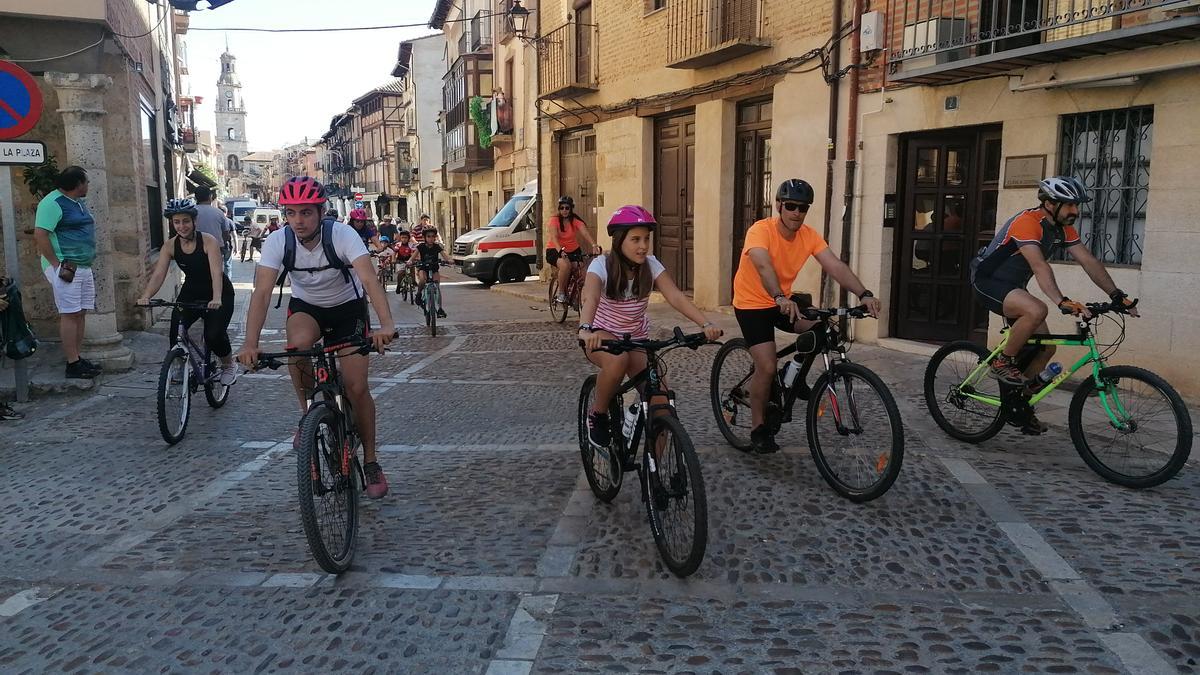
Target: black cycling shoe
1033, 426
762, 442
599, 433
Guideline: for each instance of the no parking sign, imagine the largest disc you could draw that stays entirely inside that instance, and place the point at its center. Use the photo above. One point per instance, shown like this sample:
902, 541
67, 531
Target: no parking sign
20, 101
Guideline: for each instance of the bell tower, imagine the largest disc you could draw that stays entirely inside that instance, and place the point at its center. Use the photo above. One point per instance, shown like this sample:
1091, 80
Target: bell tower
231, 116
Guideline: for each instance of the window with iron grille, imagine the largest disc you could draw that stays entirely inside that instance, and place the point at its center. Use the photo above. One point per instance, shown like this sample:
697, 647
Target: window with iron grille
1110, 152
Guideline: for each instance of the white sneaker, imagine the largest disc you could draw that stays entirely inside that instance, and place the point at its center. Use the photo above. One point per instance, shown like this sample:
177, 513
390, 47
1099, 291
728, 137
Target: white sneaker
561, 299
229, 374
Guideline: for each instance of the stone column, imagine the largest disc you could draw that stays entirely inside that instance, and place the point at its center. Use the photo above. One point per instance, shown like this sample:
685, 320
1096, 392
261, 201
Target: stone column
81, 104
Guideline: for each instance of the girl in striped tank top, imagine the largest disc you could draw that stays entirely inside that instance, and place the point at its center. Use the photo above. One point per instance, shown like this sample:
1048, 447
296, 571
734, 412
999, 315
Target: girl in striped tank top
616, 295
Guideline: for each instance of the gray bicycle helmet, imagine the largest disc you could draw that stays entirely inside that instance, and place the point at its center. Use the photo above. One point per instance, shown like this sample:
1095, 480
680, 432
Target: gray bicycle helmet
1063, 190
795, 190
178, 206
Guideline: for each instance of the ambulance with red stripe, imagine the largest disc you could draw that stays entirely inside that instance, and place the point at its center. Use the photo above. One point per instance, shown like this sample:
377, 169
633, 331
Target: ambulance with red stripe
506, 249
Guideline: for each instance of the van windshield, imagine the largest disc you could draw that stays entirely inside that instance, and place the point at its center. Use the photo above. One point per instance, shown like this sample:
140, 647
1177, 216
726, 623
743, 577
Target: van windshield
509, 213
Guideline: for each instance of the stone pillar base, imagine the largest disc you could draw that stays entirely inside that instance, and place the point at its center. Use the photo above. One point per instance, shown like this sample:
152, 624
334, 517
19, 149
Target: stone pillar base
103, 345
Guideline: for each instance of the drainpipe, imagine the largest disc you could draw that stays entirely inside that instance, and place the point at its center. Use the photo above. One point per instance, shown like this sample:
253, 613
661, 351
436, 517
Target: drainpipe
851, 144
835, 62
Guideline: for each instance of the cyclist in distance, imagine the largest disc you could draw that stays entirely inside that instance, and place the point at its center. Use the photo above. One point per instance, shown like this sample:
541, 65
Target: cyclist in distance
327, 304
565, 228
365, 230
198, 256
616, 296
775, 250
429, 252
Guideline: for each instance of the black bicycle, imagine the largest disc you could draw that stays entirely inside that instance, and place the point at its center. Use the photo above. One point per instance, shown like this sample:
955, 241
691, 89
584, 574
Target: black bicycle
853, 425
669, 472
431, 295
189, 365
329, 475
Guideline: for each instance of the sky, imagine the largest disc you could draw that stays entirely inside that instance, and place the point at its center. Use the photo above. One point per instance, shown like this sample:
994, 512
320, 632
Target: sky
338, 66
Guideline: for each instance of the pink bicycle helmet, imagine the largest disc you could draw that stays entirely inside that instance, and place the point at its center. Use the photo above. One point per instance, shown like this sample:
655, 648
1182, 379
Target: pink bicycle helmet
357, 214
629, 216
301, 190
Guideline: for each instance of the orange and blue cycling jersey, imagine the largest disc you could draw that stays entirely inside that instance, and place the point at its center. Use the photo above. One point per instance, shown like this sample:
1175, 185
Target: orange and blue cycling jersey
1001, 259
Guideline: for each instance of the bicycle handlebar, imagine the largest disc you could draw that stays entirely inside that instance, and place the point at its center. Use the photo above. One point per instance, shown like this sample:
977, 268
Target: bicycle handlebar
272, 359
1099, 308
679, 339
156, 302
819, 314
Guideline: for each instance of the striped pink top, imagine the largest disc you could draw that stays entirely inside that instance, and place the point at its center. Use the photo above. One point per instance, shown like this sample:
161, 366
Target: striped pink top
627, 315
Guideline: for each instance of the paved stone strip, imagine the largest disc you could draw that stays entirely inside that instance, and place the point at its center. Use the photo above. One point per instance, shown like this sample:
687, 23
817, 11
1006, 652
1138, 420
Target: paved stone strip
1132, 649
165, 518
569, 534
475, 447
523, 640
29, 597
433, 358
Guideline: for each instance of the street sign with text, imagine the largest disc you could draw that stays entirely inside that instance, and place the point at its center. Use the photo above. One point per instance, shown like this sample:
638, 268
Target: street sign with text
22, 153
20, 101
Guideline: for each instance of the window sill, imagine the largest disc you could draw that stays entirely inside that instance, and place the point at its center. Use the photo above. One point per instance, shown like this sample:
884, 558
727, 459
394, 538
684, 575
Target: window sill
655, 11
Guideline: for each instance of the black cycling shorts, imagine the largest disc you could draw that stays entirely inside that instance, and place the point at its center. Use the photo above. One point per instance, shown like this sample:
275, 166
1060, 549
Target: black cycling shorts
339, 323
758, 325
992, 291
552, 255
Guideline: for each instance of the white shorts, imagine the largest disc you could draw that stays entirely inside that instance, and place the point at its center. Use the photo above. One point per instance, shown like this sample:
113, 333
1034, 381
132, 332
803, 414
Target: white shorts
76, 296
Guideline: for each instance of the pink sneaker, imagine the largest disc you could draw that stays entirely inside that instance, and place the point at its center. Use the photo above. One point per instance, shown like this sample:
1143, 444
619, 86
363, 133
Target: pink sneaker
377, 486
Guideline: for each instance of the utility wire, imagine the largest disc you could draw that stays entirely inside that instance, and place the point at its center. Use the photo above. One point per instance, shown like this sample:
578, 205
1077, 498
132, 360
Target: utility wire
423, 24
103, 37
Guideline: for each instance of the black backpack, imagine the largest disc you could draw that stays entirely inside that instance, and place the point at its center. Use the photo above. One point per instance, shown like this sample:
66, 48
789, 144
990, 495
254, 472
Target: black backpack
289, 258
16, 337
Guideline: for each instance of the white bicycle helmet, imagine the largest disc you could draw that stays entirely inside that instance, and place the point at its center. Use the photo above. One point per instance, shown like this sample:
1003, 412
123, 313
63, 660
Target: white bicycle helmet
1063, 190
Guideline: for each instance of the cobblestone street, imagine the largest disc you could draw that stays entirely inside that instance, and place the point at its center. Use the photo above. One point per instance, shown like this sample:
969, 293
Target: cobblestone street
491, 555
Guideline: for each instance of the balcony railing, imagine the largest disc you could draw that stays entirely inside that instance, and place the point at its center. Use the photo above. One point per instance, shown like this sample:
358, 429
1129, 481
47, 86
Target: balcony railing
702, 33
188, 139
932, 41
503, 27
476, 35
569, 63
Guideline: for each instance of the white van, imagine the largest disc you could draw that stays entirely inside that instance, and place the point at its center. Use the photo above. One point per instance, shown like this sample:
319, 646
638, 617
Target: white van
263, 215
506, 249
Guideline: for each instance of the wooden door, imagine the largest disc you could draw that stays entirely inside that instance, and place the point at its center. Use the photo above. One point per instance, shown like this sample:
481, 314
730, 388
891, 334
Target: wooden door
754, 193
583, 44
577, 173
949, 212
674, 179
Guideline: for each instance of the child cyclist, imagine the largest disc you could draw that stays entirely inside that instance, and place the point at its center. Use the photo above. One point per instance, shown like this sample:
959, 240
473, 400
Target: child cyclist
428, 254
402, 252
616, 295
198, 256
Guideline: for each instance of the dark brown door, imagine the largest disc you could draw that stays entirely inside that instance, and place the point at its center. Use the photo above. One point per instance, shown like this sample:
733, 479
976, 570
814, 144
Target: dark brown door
674, 177
753, 191
577, 175
583, 44
949, 178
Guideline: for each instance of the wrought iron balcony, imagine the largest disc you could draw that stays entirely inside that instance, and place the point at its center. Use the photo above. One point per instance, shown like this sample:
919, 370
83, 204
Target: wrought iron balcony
476, 35
568, 61
703, 33
188, 140
940, 41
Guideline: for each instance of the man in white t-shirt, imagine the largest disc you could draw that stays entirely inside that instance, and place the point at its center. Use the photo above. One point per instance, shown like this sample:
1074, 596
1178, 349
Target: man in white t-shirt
325, 305
254, 235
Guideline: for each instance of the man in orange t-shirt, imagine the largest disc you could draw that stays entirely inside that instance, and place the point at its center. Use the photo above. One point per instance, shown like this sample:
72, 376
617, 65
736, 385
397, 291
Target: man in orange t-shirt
775, 250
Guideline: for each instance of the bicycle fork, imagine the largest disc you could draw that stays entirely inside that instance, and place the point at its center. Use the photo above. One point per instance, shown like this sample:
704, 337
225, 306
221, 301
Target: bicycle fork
836, 406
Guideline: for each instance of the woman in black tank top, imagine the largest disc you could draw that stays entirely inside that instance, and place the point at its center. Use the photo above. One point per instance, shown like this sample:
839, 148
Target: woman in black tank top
198, 256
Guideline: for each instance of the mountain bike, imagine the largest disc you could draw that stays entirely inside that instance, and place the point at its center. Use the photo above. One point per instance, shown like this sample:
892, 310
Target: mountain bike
669, 473
385, 269
406, 285
187, 366
574, 290
329, 475
431, 296
853, 425
1127, 423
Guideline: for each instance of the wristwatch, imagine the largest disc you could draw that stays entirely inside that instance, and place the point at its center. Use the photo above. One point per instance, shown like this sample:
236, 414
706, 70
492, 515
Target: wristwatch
587, 327
780, 295
865, 294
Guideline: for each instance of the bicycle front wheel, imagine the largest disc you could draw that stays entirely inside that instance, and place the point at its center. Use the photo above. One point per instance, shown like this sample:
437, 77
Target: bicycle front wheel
558, 310
1134, 429
854, 432
433, 301
953, 395
674, 494
601, 467
214, 391
729, 390
327, 481
174, 395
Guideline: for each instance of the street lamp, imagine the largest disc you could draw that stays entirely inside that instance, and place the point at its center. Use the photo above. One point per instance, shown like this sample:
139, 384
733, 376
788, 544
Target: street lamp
518, 18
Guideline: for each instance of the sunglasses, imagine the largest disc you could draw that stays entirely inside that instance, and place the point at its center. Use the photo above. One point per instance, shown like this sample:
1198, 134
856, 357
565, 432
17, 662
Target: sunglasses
795, 206
564, 208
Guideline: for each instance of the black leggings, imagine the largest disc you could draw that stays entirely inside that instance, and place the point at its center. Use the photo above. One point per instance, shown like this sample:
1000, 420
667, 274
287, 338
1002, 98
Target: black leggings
216, 323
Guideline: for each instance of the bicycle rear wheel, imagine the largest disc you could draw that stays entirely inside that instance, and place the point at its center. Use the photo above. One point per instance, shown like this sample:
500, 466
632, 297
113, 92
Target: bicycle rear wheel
216, 392
602, 468
1154, 439
948, 393
327, 482
674, 493
174, 395
558, 310
854, 432
729, 390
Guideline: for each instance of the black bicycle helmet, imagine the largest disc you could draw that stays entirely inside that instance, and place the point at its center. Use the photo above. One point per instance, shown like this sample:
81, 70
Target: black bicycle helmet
1063, 190
795, 190
180, 206
565, 200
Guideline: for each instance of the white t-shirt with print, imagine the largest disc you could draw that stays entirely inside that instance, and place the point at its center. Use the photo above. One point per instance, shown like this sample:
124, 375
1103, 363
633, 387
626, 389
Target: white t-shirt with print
327, 288
627, 315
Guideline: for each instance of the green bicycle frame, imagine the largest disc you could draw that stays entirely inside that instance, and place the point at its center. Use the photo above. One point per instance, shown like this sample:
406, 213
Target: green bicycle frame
1112, 403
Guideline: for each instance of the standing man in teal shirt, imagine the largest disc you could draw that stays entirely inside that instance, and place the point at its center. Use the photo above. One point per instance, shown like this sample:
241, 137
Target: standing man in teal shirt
65, 234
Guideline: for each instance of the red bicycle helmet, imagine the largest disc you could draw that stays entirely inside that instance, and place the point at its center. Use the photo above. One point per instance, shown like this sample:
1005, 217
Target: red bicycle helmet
357, 214
302, 190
